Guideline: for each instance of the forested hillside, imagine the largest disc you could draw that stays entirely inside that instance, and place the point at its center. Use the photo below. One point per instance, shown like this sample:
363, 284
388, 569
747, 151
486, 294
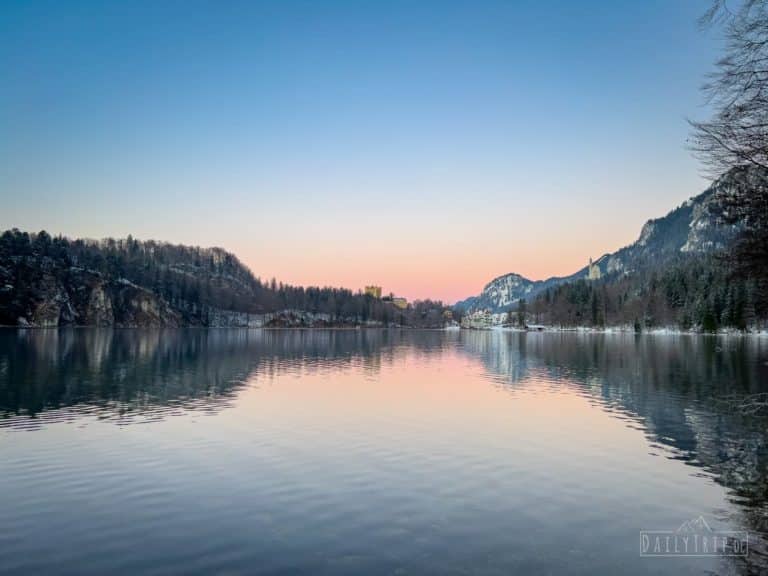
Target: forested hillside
686, 270
52, 281
692, 293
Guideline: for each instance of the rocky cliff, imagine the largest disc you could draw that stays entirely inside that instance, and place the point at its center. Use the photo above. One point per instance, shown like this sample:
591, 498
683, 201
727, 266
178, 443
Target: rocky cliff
85, 298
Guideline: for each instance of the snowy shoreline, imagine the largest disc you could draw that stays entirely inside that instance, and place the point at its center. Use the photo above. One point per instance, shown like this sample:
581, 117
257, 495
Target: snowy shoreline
661, 331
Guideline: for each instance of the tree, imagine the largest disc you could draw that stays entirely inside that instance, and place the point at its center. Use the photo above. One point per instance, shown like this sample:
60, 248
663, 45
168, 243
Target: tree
737, 133
521, 313
594, 306
734, 141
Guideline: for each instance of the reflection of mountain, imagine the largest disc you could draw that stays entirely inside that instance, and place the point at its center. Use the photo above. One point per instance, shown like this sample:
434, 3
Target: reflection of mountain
680, 389
672, 387
502, 353
121, 374
117, 374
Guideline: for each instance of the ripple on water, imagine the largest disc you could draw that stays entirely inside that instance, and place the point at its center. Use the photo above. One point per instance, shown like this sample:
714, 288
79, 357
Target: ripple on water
370, 452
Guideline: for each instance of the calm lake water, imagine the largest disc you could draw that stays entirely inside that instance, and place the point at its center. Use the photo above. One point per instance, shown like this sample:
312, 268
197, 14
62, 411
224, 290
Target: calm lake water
375, 452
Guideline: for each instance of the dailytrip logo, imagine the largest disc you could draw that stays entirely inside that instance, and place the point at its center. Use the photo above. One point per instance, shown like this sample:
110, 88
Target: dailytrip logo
694, 538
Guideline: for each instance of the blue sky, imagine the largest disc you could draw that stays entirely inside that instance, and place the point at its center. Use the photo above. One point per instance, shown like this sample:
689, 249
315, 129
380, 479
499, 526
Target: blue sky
424, 146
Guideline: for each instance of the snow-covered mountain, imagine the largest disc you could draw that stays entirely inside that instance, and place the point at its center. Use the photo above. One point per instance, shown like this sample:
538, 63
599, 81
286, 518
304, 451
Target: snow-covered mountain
691, 228
505, 291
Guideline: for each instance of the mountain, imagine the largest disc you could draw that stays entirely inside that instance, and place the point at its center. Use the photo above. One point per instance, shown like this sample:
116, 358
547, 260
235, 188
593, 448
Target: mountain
691, 228
505, 291
50, 282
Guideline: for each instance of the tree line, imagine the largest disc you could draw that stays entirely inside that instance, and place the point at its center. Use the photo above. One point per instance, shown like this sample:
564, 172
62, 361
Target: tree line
193, 280
691, 293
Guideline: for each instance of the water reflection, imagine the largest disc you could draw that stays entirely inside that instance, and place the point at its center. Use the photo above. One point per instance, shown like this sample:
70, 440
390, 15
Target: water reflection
680, 389
129, 374
676, 390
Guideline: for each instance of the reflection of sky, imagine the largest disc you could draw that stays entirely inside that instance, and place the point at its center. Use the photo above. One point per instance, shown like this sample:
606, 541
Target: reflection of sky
540, 451
427, 461
426, 148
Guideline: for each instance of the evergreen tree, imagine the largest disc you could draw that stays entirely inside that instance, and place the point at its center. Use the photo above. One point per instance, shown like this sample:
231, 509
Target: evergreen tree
521, 310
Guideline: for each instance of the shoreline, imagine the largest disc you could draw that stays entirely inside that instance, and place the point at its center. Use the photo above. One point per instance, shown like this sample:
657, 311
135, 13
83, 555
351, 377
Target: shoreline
582, 330
624, 330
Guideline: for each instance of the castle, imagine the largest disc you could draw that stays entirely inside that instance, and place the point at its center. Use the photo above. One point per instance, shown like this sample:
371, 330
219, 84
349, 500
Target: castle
593, 271
374, 291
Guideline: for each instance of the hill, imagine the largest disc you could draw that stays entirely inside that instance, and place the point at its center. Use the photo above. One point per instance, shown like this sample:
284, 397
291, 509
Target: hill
48, 282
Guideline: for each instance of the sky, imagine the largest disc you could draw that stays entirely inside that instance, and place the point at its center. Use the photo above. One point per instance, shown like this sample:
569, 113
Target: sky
426, 147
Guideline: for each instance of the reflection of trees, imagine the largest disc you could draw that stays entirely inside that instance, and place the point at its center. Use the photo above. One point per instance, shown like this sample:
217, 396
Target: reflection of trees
120, 373
502, 353
670, 385
116, 373
673, 386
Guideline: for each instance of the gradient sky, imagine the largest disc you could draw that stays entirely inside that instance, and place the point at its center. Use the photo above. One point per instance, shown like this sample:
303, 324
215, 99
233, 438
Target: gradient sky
424, 146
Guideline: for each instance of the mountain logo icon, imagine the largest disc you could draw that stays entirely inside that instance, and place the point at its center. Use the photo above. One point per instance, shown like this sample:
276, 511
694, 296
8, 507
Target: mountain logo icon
695, 526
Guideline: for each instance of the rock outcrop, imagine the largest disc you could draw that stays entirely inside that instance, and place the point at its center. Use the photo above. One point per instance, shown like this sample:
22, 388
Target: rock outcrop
87, 299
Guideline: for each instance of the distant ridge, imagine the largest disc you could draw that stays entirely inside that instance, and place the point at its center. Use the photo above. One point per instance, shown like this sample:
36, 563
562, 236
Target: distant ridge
691, 228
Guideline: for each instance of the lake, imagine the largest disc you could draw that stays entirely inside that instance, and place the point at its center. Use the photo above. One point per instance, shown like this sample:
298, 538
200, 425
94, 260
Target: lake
378, 452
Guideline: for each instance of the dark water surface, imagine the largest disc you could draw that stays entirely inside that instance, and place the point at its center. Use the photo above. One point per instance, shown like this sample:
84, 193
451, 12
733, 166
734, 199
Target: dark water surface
375, 452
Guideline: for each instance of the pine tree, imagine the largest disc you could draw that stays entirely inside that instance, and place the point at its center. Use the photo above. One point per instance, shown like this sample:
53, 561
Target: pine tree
521, 309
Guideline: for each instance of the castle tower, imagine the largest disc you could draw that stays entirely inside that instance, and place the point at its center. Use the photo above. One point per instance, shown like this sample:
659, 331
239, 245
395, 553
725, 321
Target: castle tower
593, 271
